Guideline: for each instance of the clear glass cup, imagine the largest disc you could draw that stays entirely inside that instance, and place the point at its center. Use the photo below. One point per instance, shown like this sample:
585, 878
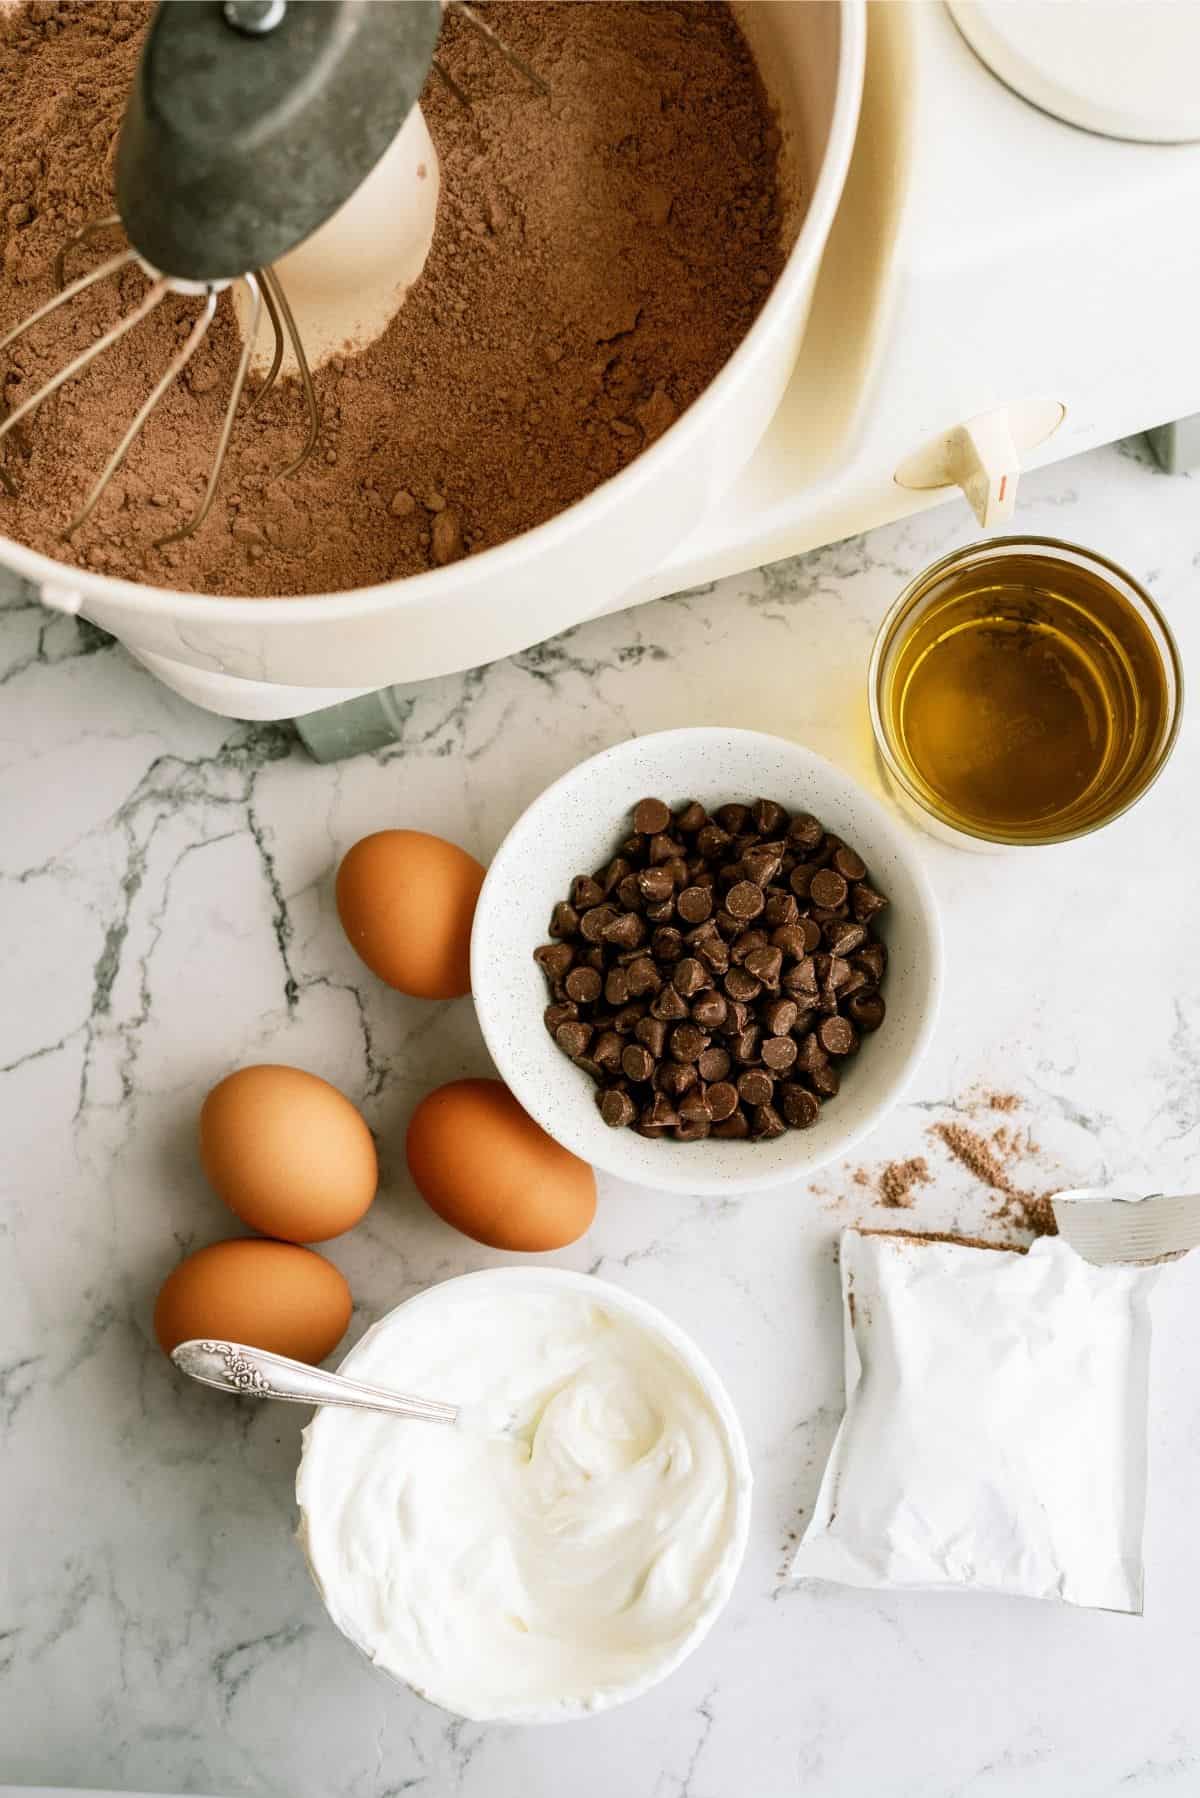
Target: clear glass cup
1036, 678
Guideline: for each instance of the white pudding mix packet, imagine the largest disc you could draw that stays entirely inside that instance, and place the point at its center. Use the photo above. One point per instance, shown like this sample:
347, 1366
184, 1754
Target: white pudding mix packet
994, 1437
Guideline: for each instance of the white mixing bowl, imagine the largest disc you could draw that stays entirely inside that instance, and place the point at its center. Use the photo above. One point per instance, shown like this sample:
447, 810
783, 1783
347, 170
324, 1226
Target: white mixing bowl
320, 1466
574, 827
578, 564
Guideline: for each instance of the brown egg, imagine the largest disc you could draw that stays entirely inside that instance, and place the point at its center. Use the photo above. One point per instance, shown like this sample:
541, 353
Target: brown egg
288, 1153
407, 901
484, 1166
271, 1295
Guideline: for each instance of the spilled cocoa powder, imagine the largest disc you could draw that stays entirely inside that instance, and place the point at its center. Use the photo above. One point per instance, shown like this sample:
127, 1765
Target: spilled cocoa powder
598, 256
980, 1157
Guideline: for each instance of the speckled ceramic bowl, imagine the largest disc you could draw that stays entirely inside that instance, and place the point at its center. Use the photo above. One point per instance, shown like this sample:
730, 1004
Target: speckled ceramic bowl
574, 827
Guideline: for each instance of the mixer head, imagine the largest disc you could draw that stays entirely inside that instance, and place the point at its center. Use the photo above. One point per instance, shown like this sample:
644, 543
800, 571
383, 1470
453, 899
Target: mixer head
250, 123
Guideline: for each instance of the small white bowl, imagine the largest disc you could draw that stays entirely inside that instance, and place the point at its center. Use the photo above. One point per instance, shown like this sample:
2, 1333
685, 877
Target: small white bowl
573, 828
319, 1461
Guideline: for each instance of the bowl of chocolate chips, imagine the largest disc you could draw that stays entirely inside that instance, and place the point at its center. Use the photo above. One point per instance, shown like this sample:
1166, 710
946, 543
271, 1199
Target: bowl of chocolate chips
707, 961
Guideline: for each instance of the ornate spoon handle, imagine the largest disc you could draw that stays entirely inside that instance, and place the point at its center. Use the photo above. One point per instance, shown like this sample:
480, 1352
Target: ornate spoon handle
255, 1373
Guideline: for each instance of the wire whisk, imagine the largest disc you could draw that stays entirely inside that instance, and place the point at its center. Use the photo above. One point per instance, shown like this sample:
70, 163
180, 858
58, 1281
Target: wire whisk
265, 292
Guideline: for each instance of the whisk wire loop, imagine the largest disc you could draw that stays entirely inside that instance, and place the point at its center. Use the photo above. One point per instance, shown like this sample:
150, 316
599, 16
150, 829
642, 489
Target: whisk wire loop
193, 524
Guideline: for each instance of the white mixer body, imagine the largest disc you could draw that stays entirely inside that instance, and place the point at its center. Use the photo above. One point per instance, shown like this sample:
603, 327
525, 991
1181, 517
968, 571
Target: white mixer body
578, 564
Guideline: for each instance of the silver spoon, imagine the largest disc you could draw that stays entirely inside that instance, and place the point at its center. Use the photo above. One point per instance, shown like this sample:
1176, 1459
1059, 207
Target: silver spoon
256, 1373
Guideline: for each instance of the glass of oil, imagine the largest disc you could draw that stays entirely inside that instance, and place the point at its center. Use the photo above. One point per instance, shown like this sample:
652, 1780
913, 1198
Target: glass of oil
1023, 691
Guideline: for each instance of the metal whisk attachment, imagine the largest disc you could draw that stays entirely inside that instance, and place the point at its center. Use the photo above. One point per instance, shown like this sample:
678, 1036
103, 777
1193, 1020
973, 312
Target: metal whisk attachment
249, 125
264, 289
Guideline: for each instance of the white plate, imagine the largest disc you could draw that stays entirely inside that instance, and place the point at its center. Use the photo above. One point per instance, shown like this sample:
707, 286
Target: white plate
573, 828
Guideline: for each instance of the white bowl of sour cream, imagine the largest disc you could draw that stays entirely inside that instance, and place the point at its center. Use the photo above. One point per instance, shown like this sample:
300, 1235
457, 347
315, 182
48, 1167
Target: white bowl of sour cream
550, 1572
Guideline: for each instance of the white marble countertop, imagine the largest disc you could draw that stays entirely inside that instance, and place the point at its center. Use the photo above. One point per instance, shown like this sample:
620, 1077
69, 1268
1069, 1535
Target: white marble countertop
167, 911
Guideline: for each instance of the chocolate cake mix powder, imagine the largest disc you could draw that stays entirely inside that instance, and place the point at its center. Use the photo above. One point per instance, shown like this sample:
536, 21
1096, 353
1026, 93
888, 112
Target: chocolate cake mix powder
598, 256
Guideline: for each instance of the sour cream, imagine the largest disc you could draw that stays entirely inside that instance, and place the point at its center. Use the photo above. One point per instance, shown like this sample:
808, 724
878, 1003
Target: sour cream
563, 1556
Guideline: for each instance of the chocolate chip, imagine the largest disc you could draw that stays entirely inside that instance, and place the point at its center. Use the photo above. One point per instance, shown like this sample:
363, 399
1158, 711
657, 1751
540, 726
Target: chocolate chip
643, 977
626, 930
615, 873
761, 865
849, 864
872, 959
637, 1061
865, 902
666, 944
714, 954
677, 1077
554, 1015
828, 887
662, 912
573, 1038
554, 959
651, 817
728, 925
689, 977
732, 818
825, 1080
780, 910
779, 1017
606, 1051
669, 1005
790, 938
630, 893
732, 1129
617, 1109
713, 1065
867, 1010
737, 1016
692, 818
837, 1036
843, 939
710, 1010
805, 832
744, 900
800, 881
769, 817
655, 884
616, 987
688, 1042
584, 985
663, 849
694, 904
692, 1129
595, 921
564, 919
712, 842
722, 1101
661, 1112
800, 1108
755, 1087
766, 1123
765, 965
744, 1045
779, 1052
653, 1033
695, 1108
739, 984
585, 892
627, 1018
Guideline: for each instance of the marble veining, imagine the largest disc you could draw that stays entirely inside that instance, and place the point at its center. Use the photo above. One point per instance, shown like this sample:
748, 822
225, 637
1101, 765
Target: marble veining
166, 884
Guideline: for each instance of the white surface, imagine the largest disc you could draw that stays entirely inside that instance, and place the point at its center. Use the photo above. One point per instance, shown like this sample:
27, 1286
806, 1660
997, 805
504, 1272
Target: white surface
995, 1430
560, 1568
1125, 68
575, 828
166, 884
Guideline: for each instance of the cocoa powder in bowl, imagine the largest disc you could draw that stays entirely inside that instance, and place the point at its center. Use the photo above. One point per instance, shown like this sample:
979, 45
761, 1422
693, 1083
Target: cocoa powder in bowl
598, 256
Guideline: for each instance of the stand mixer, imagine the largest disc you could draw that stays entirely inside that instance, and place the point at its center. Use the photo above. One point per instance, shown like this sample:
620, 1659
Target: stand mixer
966, 295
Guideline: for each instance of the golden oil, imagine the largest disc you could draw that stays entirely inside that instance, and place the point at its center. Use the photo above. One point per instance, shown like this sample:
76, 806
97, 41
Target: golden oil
1025, 692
